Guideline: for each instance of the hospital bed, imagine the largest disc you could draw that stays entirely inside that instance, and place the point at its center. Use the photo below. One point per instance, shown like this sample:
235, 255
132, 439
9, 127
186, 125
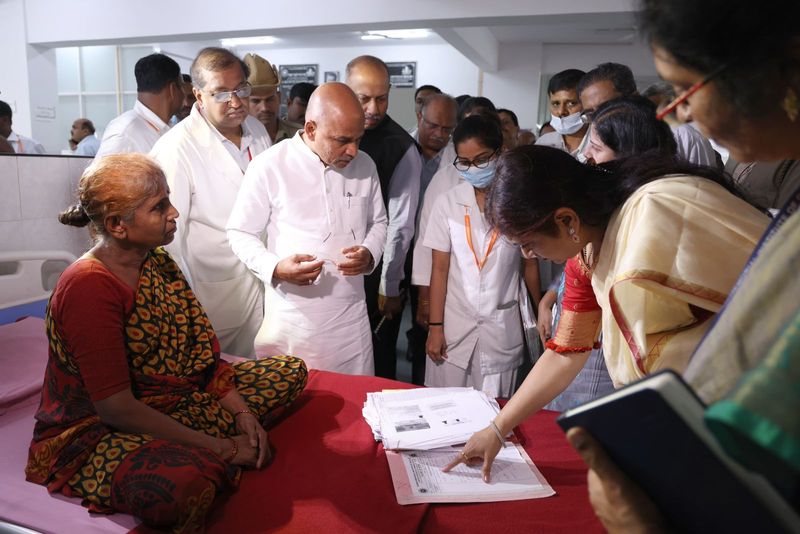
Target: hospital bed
328, 473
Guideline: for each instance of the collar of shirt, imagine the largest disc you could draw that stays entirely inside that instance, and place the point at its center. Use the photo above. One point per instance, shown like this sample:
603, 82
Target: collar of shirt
247, 137
306, 150
151, 118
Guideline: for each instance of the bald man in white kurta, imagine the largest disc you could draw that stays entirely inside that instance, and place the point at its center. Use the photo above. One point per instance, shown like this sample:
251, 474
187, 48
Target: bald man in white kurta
308, 207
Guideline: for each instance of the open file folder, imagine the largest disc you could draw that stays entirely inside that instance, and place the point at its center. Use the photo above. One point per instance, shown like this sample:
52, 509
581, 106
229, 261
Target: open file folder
423, 430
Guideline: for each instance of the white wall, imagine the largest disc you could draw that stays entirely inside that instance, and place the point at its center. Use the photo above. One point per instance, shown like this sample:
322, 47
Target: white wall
13, 65
33, 191
439, 65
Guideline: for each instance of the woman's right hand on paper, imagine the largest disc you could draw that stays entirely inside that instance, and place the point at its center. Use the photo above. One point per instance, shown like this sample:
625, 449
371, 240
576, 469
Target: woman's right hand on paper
436, 347
483, 445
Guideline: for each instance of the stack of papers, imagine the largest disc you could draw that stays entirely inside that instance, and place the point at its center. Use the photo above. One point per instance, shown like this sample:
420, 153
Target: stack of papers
429, 418
423, 430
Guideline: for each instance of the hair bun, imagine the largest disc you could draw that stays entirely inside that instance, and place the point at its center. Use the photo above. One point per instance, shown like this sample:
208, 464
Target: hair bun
74, 216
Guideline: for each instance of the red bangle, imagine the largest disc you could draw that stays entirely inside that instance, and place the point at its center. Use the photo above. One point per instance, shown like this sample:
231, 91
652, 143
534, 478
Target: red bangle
240, 412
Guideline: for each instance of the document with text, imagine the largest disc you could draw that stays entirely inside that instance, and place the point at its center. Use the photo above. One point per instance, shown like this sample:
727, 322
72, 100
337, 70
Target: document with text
418, 477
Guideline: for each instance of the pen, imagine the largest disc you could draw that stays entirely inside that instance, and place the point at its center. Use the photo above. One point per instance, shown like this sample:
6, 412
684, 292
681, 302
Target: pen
348, 195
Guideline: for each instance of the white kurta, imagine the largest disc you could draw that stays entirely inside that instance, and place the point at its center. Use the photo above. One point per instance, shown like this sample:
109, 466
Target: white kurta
136, 130
204, 179
307, 207
443, 181
24, 145
481, 314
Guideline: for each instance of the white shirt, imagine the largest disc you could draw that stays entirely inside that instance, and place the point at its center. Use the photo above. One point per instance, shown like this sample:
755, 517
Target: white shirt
403, 198
88, 146
204, 180
445, 179
693, 146
136, 130
556, 140
24, 145
481, 305
307, 207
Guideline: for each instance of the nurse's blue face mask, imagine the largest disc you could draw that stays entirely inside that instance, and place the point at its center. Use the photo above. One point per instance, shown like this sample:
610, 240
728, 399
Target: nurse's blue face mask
478, 173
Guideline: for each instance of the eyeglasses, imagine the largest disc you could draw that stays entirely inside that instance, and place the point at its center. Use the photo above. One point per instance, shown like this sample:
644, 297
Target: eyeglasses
225, 96
480, 163
447, 130
680, 99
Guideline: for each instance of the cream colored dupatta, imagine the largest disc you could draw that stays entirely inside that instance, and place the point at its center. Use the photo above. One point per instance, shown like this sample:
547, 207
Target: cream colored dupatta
669, 257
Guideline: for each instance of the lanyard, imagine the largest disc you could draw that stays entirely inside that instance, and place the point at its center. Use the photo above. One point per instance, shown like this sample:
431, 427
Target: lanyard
783, 215
468, 228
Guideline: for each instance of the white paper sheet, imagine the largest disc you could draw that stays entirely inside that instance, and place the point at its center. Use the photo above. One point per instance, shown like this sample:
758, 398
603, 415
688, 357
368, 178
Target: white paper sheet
418, 477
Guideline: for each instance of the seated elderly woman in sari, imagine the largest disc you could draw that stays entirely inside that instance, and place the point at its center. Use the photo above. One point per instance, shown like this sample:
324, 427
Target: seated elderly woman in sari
138, 412
654, 247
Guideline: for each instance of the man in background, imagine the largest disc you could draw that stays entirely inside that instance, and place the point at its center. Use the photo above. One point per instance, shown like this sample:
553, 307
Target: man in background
297, 102
188, 98
82, 134
204, 158
605, 82
265, 100
569, 130
19, 143
160, 95
397, 158
510, 127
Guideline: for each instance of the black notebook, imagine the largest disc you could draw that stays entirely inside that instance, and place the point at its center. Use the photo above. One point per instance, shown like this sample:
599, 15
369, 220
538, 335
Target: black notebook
654, 430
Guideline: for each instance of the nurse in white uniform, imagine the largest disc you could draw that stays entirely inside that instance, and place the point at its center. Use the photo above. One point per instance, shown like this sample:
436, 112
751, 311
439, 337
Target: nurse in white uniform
318, 200
475, 335
204, 158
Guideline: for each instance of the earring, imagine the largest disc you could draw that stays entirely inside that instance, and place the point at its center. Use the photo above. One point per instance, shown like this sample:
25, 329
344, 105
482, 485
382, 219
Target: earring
791, 104
574, 236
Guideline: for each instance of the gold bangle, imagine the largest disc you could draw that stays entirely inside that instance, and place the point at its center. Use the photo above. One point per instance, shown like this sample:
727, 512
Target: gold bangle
240, 412
233, 452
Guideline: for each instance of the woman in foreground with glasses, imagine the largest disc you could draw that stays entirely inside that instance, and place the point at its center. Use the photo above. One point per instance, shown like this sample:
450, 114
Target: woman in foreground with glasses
743, 86
654, 246
475, 333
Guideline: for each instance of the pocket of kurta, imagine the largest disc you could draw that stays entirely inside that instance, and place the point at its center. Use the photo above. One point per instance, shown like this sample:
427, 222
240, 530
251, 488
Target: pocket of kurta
355, 217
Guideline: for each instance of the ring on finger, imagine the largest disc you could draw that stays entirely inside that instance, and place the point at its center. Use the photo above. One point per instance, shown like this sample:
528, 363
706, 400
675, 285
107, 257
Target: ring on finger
464, 456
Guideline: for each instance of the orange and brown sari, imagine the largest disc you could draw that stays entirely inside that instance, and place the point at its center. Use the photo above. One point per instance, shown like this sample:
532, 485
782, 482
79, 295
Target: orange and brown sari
157, 341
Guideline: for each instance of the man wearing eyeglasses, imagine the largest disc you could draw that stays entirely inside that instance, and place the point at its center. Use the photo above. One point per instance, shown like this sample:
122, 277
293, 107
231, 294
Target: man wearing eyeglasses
204, 158
159, 87
397, 158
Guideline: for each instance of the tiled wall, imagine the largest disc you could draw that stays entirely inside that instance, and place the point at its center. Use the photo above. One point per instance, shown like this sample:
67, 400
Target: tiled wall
33, 190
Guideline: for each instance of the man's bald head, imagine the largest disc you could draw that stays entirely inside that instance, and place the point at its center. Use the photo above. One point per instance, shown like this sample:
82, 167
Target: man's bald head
334, 124
368, 77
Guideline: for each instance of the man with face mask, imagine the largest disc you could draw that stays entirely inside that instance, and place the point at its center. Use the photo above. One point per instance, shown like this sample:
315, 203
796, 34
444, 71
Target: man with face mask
204, 158
309, 221
565, 109
397, 158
